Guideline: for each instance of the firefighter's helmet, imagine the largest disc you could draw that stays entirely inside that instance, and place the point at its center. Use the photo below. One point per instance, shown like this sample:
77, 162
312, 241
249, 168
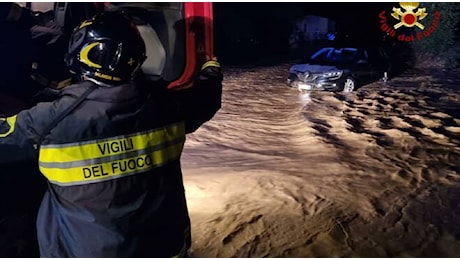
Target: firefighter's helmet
107, 48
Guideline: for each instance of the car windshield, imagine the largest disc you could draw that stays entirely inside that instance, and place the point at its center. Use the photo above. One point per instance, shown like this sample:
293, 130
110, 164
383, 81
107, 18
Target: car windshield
335, 54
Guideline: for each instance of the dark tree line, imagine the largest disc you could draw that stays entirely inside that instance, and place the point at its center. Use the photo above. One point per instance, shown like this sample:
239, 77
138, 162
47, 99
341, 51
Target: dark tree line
252, 32
444, 42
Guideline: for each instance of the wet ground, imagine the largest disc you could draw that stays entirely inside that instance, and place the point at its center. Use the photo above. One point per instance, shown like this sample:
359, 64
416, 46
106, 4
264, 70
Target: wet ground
283, 173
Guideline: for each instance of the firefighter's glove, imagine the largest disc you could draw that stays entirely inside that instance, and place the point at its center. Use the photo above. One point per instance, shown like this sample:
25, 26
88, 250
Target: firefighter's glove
211, 71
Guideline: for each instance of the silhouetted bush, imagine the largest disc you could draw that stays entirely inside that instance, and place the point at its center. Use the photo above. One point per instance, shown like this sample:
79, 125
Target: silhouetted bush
442, 44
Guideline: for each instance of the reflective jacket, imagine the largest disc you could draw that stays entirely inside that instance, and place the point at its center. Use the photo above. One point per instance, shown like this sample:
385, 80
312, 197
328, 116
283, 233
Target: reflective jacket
113, 169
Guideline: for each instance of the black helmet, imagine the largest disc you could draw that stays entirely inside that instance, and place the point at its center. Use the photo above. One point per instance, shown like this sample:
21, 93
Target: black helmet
107, 48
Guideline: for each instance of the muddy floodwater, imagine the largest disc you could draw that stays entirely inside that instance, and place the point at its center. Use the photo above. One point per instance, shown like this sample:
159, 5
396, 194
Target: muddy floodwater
283, 173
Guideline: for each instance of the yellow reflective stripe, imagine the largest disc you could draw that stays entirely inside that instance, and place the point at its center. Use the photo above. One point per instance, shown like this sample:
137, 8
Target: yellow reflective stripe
109, 146
105, 76
11, 121
210, 63
62, 83
102, 159
85, 23
84, 56
112, 169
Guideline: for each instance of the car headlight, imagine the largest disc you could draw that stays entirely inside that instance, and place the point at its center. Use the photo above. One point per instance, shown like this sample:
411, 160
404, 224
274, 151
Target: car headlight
332, 74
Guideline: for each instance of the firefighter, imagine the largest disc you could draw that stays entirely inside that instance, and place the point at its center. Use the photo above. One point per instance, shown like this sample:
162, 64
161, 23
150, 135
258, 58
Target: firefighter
110, 149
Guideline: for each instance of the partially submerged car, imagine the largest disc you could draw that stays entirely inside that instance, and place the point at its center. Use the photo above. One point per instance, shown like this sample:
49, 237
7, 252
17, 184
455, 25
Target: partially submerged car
340, 69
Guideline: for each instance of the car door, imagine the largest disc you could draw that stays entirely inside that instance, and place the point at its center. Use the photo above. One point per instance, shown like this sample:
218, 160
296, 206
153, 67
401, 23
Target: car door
178, 35
362, 70
378, 62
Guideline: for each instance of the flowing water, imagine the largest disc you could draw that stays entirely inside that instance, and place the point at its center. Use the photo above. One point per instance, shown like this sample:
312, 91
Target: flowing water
283, 173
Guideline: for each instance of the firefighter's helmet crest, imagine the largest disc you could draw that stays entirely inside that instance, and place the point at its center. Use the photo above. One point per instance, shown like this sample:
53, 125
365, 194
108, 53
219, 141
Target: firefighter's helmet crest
409, 18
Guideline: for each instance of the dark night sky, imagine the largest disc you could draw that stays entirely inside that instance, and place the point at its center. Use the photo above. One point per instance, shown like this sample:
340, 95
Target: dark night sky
269, 24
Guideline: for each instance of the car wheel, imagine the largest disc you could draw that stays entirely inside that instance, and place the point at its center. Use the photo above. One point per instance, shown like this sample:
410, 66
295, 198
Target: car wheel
349, 85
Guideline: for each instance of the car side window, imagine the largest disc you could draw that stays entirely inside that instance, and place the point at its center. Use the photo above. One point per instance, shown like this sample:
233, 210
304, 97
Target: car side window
374, 54
321, 55
383, 53
362, 55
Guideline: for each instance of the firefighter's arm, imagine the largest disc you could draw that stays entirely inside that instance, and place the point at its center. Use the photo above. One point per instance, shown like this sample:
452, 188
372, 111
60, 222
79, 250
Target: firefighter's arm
200, 102
19, 133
